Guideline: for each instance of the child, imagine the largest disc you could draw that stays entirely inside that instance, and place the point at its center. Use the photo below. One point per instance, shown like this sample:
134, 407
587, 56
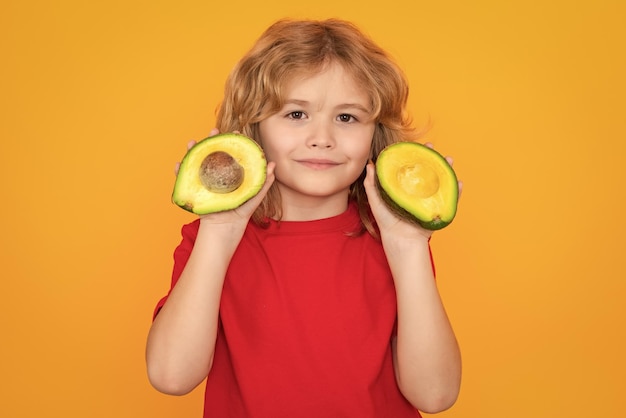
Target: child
312, 299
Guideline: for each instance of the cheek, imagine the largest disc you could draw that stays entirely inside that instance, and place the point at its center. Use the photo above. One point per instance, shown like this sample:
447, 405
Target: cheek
273, 149
361, 150
363, 155
267, 140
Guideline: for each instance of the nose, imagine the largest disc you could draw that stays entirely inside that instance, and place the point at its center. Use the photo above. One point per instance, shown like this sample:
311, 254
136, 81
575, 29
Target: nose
321, 135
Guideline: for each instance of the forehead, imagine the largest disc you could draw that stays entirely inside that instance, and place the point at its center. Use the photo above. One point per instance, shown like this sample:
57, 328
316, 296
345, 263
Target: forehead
330, 78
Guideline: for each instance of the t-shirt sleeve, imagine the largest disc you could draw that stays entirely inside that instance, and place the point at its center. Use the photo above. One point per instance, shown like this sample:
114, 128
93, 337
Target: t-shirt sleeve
189, 233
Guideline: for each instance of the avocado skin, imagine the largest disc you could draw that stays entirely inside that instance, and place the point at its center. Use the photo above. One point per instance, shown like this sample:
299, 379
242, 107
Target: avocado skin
192, 195
429, 224
432, 225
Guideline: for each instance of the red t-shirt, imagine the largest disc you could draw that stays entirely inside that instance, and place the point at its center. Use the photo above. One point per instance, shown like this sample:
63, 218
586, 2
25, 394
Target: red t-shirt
306, 318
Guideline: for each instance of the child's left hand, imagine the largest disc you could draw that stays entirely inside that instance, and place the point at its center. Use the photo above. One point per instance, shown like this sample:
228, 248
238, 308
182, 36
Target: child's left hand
389, 223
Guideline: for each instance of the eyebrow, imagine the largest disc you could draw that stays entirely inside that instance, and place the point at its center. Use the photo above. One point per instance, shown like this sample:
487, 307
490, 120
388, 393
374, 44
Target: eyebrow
340, 107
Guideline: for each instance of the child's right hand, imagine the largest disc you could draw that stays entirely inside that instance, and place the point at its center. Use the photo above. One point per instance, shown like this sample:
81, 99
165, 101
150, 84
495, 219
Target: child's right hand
243, 213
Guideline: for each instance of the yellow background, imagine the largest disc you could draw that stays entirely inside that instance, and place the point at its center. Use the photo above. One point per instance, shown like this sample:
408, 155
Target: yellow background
99, 98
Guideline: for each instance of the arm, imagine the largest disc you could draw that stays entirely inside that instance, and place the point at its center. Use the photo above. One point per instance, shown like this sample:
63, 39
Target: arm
181, 340
426, 354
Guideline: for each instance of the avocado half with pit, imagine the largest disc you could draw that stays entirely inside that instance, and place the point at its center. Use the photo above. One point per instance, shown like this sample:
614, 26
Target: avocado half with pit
219, 173
418, 184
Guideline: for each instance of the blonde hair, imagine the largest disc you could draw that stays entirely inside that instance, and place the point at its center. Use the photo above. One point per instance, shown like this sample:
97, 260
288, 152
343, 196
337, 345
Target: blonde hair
291, 48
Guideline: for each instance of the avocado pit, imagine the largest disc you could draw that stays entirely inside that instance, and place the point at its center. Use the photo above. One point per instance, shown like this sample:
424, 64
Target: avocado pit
221, 173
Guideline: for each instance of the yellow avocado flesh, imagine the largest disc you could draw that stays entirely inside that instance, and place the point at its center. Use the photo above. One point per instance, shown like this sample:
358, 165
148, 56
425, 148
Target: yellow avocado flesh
418, 184
219, 173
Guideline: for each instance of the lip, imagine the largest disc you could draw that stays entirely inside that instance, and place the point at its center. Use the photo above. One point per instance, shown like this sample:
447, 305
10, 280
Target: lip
317, 163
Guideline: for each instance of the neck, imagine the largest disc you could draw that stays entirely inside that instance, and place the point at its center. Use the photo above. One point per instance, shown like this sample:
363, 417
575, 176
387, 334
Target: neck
310, 208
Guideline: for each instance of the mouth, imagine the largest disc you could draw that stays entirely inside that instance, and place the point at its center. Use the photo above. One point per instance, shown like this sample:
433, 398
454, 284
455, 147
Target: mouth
318, 164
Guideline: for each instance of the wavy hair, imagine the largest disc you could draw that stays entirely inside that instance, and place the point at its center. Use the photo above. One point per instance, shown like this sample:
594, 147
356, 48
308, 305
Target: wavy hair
254, 89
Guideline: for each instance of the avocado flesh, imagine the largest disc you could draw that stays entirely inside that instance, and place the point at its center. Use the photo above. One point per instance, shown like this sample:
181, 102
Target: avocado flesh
219, 173
418, 184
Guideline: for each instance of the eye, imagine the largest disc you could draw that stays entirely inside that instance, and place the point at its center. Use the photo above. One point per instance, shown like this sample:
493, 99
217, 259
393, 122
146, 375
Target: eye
344, 117
295, 115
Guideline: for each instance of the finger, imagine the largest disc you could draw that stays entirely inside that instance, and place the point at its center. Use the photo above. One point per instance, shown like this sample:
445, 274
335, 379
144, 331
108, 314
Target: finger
176, 168
429, 145
460, 188
370, 173
450, 160
269, 176
214, 132
370, 183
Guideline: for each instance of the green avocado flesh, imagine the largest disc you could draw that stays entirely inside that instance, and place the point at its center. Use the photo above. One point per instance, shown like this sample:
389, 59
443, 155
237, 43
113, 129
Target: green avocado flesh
418, 184
219, 173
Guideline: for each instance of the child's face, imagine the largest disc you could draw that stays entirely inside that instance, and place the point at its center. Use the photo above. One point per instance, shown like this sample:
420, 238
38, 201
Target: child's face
320, 140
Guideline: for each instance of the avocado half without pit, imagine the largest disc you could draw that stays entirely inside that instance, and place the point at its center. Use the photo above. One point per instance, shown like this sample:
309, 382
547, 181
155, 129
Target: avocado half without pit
219, 173
418, 184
